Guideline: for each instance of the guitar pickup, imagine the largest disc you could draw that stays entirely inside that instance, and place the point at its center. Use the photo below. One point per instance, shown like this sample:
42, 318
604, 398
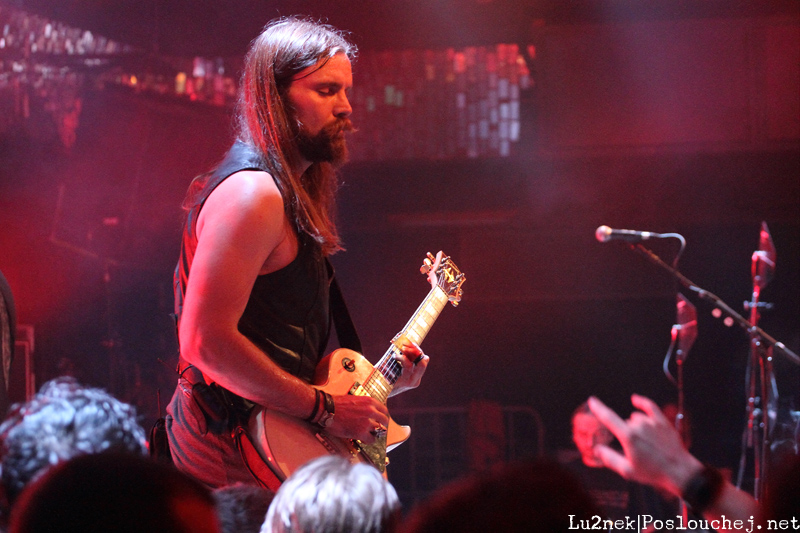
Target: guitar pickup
358, 390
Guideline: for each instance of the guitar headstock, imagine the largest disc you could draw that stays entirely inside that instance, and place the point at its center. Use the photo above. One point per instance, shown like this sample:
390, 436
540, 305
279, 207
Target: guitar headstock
443, 273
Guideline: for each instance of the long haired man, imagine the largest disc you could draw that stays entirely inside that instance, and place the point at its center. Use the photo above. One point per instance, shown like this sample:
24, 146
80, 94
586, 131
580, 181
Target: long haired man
251, 284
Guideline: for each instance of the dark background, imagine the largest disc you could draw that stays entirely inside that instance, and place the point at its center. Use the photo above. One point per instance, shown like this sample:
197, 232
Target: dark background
681, 117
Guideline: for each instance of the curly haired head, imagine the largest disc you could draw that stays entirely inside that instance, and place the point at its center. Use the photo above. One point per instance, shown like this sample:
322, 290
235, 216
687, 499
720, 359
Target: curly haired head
331, 494
63, 420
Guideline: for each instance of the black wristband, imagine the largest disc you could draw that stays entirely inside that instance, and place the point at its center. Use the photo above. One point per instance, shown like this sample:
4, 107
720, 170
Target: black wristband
317, 402
329, 403
703, 489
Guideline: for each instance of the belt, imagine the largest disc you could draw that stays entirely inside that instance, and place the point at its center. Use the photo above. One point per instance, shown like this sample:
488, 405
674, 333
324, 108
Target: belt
189, 372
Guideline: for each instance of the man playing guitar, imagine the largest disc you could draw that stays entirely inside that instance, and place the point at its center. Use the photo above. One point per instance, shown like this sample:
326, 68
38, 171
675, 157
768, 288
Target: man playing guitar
252, 282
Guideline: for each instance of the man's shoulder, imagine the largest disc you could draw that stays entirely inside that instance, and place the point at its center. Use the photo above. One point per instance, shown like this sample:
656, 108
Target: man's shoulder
251, 178
247, 187
248, 198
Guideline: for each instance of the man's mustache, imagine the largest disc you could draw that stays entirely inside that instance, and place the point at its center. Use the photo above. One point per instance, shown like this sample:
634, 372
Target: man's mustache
341, 125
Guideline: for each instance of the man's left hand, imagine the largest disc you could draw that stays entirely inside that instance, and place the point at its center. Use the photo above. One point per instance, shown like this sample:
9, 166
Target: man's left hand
414, 363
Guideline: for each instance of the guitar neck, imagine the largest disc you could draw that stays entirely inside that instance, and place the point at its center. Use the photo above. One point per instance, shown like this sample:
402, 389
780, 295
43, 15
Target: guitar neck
388, 369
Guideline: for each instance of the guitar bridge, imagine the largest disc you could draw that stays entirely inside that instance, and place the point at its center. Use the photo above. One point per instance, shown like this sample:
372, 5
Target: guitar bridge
375, 453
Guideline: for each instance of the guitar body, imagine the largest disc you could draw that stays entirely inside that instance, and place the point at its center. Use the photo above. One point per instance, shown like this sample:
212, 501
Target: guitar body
285, 443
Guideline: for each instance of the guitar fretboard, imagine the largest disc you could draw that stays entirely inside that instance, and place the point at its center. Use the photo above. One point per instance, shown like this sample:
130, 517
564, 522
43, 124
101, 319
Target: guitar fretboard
387, 371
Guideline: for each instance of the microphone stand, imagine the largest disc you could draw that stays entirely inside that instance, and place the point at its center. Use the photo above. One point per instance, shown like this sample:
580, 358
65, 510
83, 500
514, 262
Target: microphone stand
760, 449
745, 324
762, 270
684, 333
763, 346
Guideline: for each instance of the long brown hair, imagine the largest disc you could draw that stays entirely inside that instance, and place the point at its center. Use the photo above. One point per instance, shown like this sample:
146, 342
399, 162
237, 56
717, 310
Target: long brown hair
286, 47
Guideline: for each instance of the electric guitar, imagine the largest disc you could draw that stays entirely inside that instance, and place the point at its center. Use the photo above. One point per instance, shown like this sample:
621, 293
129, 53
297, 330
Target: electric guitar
285, 443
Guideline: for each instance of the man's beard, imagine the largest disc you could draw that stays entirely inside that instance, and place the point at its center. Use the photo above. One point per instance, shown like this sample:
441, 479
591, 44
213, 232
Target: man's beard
327, 146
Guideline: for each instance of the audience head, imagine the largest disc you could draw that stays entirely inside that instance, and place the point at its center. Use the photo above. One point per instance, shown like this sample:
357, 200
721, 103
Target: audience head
587, 432
332, 495
118, 492
241, 508
526, 497
63, 420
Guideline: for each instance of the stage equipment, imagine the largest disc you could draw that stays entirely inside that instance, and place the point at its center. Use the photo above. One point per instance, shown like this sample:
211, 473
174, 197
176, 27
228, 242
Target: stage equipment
605, 234
758, 433
763, 344
684, 333
8, 325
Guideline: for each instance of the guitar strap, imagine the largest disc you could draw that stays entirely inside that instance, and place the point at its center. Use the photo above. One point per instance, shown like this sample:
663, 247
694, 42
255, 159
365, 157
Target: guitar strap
259, 469
345, 329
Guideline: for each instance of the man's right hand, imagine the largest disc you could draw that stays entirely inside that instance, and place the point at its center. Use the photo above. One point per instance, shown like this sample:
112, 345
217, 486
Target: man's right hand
357, 417
653, 452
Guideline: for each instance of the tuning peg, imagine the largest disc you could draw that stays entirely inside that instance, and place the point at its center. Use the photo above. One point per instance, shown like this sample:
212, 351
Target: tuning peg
455, 299
426, 265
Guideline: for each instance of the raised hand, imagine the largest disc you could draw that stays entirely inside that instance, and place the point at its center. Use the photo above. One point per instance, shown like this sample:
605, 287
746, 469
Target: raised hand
653, 452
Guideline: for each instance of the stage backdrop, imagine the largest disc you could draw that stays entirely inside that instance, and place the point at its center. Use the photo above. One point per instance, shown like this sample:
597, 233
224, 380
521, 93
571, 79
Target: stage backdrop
687, 126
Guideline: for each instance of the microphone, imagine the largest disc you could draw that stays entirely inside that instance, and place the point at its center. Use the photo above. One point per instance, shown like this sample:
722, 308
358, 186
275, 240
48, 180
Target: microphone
605, 234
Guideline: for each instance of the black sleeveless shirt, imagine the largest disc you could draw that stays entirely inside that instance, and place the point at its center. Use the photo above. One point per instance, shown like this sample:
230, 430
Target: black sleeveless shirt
287, 315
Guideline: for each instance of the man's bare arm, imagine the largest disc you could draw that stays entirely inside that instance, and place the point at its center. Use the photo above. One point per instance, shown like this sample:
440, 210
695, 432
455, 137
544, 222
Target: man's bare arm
242, 232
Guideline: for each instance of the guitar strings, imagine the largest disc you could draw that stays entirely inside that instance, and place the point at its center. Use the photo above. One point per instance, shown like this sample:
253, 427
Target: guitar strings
387, 371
